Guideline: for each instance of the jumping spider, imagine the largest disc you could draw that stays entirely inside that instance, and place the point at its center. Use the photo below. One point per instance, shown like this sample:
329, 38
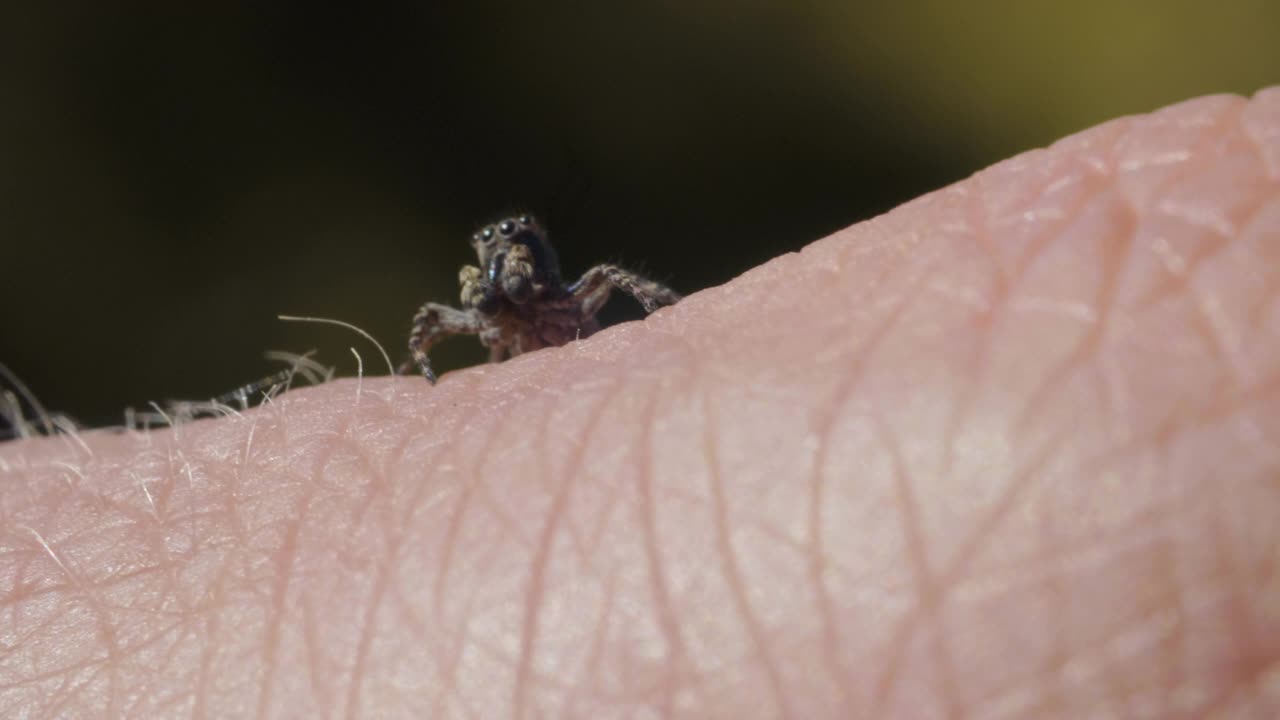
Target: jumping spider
515, 300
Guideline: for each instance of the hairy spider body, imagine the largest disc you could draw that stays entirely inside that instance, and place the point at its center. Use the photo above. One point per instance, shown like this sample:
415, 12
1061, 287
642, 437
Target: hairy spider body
515, 301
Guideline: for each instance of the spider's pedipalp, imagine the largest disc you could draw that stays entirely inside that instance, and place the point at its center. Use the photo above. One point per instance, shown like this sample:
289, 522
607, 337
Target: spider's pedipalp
477, 292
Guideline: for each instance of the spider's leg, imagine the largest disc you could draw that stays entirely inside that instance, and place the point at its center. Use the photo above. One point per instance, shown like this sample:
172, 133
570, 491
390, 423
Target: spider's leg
498, 347
246, 394
592, 289
433, 323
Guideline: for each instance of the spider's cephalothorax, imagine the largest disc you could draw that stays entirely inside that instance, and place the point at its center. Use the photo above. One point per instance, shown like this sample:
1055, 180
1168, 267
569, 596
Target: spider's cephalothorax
515, 300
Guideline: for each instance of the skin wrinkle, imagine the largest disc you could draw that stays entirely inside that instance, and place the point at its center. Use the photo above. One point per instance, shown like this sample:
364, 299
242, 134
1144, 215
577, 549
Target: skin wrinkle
414, 504
1160, 438
1033, 248
817, 573
207, 658
1056, 663
182, 624
1090, 344
1205, 319
605, 518
313, 650
542, 555
1054, 694
369, 624
1243, 625
449, 543
1107, 672
1119, 686
1172, 428
1044, 229
95, 664
930, 596
469, 489
280, 585
1167, 595
1174, 282
574, 474
591, 682
279, 599
986, 319
497, 506
905, 629
377, 595
1003, 505
447, 677
1173, 660
384, 570
140, 694
1048, 226
448, 686
1117, 401
68, 695
677, 650
111, 662
536, 677
218, 586
561, 493
728, 557
823, 425
591, 537
979, 224
55, 590
1257, 312
1203, 322
1252, 215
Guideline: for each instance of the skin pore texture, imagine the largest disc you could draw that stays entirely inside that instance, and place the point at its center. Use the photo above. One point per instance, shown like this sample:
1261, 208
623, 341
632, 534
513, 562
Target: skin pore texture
1008, 451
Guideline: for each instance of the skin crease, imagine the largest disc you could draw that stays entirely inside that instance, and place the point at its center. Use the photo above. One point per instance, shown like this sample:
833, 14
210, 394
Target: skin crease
1008, 451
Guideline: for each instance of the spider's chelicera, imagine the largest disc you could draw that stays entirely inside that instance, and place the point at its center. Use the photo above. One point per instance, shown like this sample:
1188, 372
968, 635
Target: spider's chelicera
515, 300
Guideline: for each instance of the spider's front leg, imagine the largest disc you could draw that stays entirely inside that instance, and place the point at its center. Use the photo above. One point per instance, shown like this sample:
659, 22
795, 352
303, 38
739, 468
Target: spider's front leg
433, 323
593, 288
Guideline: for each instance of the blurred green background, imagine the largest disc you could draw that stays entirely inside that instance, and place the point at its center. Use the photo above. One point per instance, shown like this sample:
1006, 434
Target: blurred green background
172, 179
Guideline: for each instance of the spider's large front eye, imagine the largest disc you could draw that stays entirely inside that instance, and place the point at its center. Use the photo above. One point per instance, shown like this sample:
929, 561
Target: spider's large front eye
507, 227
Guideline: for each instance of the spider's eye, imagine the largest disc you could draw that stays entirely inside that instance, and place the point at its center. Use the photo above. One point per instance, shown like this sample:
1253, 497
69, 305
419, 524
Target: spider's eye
486, 234
525, 220
507, 227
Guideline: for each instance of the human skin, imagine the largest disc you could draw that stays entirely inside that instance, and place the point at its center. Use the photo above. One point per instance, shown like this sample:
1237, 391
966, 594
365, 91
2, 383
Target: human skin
1008, 451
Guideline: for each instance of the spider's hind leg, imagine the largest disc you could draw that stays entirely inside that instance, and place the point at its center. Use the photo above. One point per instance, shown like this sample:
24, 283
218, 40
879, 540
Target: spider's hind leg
432, 323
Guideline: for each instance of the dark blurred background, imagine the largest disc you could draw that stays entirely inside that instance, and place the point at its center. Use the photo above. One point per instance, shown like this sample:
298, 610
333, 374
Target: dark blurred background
172, 179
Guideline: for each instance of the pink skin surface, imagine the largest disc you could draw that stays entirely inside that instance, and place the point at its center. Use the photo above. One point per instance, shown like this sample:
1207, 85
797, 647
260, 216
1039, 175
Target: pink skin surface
1009, 451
